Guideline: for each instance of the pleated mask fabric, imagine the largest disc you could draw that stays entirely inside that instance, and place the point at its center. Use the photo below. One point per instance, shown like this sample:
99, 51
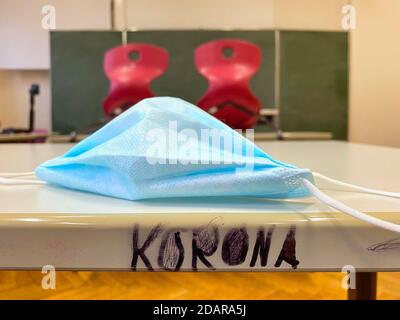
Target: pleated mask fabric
159, 148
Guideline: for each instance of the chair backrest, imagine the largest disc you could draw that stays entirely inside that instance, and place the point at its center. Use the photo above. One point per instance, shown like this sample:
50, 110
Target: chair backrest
228, 65
131, 68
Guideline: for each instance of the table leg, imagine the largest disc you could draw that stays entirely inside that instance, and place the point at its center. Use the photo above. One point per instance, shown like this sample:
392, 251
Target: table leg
365, 287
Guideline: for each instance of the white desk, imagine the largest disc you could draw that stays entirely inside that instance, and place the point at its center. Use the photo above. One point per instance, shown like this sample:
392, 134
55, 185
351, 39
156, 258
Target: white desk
46, 225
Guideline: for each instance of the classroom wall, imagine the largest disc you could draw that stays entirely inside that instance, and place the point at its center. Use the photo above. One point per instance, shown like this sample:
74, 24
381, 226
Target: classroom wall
25, 41
325, 15
24, 53
375, 73
14, 98
207, 14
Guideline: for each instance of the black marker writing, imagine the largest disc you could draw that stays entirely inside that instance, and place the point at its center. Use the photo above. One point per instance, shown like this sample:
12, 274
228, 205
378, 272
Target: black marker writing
288, 252
171, 253
140, 251
204, 244
235, 246
262, 246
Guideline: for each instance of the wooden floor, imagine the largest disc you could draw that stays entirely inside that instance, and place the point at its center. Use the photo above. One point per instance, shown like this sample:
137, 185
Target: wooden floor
221, 285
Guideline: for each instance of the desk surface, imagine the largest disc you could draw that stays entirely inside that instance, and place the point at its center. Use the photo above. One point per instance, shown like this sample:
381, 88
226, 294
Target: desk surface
22, 137
319, 228
371, 166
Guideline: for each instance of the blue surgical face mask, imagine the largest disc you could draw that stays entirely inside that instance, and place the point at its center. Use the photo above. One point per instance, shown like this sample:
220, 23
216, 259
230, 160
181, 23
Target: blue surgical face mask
166, 147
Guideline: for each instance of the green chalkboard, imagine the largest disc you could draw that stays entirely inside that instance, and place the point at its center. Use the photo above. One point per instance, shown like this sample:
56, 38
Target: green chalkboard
314, 71
314, 82
77, 79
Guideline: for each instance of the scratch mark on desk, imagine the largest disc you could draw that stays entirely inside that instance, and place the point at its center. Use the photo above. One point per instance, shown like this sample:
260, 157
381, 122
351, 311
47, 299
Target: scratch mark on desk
393, 244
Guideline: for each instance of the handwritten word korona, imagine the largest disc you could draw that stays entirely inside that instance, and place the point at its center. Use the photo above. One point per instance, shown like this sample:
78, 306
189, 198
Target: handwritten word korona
204, 244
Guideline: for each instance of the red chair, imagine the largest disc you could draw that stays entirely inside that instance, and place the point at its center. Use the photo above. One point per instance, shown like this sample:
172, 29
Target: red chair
228, 65
131, 68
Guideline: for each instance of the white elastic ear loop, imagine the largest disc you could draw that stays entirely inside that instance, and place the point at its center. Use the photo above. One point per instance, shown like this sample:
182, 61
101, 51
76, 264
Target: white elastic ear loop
9, 181
16, 174
355, 187
350, 211
6, 178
